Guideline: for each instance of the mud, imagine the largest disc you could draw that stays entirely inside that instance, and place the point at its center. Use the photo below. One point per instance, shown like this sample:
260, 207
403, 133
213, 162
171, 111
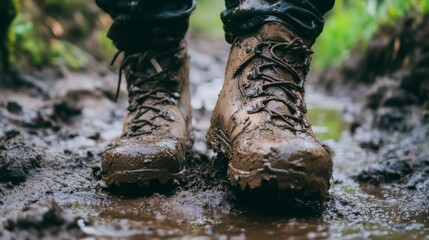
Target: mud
16, 158
42, 220
392, 122
66, 122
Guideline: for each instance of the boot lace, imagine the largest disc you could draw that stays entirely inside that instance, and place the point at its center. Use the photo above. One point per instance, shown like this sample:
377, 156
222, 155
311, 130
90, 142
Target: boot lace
160, 87
296, 51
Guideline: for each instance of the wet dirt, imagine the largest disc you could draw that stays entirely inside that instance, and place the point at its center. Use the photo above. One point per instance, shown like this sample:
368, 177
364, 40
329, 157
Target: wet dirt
16, 159
63, 125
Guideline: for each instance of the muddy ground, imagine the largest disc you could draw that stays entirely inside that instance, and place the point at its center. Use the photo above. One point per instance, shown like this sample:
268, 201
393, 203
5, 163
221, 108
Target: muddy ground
54, 125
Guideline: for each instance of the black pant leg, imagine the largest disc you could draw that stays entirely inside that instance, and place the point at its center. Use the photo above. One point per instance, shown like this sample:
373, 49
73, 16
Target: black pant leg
139, 25
305, 17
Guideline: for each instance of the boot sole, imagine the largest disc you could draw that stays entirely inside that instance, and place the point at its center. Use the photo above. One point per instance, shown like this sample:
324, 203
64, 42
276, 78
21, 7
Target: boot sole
276, 182
143, 177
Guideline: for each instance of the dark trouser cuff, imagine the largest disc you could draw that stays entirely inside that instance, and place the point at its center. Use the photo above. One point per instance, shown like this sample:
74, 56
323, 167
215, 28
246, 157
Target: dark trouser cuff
139, 25
305, 17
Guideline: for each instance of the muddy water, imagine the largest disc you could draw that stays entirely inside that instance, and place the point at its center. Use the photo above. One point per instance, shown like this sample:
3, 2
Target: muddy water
353, 211
204, 207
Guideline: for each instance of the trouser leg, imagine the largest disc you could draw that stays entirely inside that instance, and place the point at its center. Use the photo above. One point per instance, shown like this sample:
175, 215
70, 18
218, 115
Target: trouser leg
139, 25
305, 17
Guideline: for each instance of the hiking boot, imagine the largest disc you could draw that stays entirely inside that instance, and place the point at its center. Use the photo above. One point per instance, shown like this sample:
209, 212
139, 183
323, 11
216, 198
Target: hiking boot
260, 120
153, 143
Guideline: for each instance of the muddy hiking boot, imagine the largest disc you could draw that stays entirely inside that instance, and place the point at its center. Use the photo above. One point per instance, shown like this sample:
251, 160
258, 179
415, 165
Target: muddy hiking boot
155, 133
260, 121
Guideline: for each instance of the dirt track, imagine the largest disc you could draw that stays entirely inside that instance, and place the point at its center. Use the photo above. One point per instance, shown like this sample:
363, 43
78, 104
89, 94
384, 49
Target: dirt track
53, 129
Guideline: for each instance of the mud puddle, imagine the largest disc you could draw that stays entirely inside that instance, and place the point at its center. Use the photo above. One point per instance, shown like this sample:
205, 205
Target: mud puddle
69, 120
353, 211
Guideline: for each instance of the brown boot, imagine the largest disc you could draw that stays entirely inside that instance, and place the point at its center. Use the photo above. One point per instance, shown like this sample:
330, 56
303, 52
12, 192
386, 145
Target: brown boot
260, 121
153, 144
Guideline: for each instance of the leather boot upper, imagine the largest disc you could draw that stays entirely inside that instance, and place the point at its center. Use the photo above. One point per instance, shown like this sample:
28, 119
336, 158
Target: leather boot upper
260, 120
156, 128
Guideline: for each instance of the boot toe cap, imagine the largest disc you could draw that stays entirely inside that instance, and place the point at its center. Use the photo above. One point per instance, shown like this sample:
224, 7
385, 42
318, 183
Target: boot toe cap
300, 164
135, 160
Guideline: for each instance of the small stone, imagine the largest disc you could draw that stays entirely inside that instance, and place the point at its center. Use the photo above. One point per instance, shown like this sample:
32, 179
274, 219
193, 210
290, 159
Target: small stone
14, 107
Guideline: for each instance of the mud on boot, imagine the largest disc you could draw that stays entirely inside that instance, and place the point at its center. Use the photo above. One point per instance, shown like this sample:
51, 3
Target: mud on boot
260, 120
151, 150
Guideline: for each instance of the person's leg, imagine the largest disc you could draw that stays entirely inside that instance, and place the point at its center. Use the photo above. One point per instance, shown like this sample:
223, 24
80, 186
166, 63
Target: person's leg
153, 143
260, 121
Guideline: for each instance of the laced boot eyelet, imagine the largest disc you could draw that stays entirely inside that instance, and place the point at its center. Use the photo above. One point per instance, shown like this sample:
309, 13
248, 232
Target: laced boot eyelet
167, 116
301, 106
304, 108
306, 124
255, 108
255, 92
168, 100
258, 49
298, 115
172, 101
248, 49
250, 76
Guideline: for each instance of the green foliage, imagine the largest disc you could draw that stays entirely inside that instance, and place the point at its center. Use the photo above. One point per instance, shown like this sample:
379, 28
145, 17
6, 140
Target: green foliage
353, 22
206, 18
39, 52
105, 45
8, 11
36, 44
65, 53
26, 42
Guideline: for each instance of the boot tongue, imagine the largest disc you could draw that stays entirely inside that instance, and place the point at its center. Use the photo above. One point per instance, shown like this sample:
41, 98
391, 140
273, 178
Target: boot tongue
278, 32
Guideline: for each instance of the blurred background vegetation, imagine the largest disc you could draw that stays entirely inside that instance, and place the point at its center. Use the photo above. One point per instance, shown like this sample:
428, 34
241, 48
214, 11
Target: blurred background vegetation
352, 23
51, 33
